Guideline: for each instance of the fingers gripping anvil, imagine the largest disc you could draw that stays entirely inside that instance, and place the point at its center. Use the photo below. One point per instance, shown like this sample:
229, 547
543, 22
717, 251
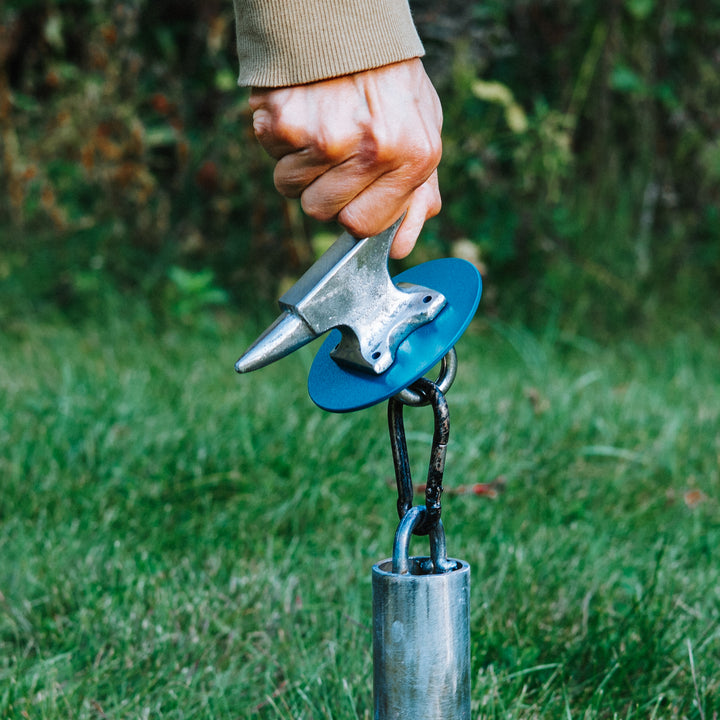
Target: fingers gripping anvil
348, 288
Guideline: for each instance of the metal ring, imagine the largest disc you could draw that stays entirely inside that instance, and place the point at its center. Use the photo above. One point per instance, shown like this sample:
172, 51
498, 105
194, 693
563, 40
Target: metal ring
448, 371
438, 545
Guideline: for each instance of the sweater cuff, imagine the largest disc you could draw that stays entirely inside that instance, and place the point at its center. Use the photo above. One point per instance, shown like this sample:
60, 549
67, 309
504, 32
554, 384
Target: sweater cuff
293, 42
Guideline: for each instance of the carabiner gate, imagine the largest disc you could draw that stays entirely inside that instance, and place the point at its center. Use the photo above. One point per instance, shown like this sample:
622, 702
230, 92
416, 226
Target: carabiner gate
431, 394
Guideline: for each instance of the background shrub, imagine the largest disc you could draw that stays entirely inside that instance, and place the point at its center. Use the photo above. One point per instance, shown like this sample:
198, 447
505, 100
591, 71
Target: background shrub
581, 166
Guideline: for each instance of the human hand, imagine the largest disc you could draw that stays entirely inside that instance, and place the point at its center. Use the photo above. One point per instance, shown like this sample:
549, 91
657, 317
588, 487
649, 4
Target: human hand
362, 148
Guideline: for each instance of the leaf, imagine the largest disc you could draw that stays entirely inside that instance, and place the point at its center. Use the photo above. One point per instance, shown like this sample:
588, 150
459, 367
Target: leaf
499, 94
666, 95
516, 118
624, 79
494, 92
191, 283
53, 31
640, 9
225, 80
25, 103
160, 135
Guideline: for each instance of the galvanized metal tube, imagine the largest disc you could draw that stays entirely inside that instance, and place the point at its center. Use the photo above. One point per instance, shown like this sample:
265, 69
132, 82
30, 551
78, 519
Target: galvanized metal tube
421, 642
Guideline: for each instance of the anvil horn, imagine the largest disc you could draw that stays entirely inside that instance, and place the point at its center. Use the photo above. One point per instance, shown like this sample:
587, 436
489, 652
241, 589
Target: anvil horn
286, 334
348, 288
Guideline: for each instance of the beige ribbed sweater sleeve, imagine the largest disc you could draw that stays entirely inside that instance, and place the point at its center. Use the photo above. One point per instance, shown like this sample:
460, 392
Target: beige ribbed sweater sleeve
292, 42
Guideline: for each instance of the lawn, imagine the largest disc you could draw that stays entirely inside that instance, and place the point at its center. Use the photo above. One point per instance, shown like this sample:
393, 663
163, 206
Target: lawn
177, 541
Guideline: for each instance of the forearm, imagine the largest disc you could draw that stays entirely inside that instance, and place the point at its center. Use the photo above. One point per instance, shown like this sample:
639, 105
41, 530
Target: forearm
292, 42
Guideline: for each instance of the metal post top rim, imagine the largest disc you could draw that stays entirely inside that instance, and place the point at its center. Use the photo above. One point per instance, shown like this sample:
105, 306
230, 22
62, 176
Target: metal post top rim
378, 570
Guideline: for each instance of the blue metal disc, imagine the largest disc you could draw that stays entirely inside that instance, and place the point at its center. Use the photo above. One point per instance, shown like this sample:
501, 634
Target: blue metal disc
340, 389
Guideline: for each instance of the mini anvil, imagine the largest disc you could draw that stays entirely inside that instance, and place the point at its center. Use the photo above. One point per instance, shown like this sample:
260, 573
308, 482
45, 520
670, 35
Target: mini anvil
348, 288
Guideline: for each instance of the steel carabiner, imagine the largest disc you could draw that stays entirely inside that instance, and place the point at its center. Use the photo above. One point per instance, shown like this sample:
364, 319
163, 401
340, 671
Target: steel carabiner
433, 489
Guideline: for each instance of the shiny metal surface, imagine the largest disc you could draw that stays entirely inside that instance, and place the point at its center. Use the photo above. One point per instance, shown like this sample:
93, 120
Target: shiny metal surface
421, 637
401, 461
340, 389
448, 372
348, 288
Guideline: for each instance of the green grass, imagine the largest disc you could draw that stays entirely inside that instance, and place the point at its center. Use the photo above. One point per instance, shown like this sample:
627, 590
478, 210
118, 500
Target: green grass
179, 542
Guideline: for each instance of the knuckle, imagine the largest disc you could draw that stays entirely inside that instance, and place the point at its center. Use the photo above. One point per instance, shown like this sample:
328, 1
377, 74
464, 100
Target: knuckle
331, 144
428, 152
262, 123
382, 149
277, 126
378, 150
434, 206
429, 196
417, 156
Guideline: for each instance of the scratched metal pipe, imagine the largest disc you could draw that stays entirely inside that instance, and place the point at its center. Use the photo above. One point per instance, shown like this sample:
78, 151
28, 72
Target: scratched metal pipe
421, 642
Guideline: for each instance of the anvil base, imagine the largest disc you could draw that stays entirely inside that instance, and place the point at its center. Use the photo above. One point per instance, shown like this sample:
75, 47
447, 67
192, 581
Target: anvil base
341, 389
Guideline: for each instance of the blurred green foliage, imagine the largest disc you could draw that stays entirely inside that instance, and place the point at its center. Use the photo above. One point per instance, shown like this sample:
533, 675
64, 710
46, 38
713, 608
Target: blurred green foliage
581, 167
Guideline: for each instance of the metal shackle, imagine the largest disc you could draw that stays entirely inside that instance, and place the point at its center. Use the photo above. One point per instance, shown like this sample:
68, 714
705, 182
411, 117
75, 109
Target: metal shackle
437, 562
421, 631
